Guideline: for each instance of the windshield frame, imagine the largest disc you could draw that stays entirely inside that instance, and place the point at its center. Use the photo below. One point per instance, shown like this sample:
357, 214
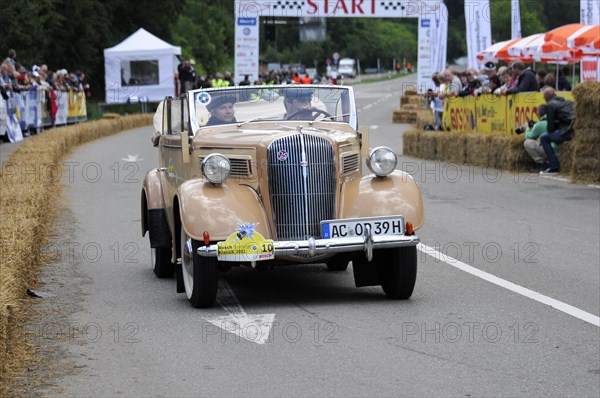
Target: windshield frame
344, 91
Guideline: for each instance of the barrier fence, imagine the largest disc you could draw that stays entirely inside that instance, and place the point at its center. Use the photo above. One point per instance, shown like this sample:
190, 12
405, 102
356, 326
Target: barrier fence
491, 113
32, 111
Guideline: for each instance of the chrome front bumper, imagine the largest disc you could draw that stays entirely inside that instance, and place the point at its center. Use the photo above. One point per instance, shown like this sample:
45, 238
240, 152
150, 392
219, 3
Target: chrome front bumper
317, 247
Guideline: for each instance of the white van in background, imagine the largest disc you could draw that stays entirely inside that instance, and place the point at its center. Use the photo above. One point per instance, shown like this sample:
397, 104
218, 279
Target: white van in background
347, 68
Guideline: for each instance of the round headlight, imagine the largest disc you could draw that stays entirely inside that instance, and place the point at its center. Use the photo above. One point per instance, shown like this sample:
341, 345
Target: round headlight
382, 161
216, 168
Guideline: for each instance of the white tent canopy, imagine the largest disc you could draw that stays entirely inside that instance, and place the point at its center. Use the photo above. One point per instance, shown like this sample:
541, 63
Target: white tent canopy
140, 68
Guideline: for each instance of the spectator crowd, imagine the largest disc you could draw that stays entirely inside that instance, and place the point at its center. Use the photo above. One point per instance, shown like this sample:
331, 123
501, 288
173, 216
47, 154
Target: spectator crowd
556, 117
16, 77
189, 79
512, 79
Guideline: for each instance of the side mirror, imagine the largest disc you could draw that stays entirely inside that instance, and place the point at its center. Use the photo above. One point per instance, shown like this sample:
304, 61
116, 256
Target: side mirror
155, 138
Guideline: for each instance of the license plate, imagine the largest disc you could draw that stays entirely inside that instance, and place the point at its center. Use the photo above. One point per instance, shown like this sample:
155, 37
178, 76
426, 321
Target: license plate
331, 229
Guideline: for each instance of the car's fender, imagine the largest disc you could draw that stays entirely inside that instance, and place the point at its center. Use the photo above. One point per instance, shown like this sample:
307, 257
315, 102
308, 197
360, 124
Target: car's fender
372, 196
218, 209
153, 210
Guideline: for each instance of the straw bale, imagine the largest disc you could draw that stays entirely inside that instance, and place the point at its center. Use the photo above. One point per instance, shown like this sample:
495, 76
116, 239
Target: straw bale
478, 149
586, 170
30, 184
565, 156
411, 99
426, 146
587, 98
424, 117
586, 122
410, 91
111, 116
586, 149
410, 142
515, 157
402, 116
458, 147
410, 107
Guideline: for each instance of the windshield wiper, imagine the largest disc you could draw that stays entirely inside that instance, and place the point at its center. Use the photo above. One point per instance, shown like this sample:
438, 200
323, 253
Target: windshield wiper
330, 118
257, 119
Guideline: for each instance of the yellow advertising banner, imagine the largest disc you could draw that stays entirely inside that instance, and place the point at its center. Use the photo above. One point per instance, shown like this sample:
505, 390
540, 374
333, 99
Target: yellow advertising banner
76, 105
523, 107
459, 114
491, 114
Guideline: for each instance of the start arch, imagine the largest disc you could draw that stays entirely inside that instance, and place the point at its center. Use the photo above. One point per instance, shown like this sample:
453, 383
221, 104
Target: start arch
432, 36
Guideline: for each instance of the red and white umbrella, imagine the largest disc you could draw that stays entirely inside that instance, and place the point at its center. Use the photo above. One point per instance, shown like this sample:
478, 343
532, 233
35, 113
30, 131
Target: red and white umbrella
586, 40
497, 52
520, 48
555, 43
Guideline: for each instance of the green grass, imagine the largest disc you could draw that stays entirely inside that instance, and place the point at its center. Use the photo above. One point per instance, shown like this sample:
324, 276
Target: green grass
95, 109
374, 79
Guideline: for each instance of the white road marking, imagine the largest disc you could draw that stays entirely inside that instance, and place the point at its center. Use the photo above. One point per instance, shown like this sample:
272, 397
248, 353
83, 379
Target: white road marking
254, 328
374, 127
132, 158
559, 305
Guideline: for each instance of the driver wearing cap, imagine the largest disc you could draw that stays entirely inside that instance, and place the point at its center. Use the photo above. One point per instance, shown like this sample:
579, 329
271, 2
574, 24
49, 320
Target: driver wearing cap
221, 110
297, 104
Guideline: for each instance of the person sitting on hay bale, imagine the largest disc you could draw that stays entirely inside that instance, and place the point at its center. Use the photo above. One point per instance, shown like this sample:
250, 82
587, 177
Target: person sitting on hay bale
560, 116
532, 143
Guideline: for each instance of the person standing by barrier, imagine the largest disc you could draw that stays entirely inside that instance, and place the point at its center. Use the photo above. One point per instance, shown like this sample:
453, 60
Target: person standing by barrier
453, 85
436, 103
527, 80
12, 54
560, 116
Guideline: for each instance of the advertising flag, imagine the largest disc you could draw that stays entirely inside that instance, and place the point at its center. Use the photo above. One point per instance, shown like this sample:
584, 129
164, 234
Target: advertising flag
479, 29
515, 12
589, 14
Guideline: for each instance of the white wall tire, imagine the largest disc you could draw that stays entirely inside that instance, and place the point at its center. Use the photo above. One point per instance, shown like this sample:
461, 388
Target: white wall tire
161, 262
199, 274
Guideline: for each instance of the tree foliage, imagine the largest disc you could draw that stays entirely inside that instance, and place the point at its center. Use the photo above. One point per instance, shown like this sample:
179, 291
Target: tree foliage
72, 34
364, 39
205, 32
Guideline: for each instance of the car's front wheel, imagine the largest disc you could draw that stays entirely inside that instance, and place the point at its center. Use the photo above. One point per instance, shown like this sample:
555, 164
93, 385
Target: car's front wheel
397, 269
199, 274
161, 262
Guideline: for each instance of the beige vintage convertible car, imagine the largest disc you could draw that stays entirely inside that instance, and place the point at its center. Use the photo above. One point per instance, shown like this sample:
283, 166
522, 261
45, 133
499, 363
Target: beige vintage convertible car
273, 175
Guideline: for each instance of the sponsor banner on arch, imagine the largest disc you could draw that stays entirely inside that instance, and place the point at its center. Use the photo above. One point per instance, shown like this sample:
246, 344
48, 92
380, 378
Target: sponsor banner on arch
249, 12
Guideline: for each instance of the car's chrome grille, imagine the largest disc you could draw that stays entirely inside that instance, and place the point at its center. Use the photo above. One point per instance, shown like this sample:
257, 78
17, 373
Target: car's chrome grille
301, 185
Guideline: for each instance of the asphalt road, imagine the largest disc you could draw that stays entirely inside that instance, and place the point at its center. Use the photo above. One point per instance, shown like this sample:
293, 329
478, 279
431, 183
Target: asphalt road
122, 332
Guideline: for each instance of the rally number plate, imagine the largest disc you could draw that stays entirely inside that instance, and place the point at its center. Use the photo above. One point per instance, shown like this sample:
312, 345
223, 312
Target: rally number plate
391, 225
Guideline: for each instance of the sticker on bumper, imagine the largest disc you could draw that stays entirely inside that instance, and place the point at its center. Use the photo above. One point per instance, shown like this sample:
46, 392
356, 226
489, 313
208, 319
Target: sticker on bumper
245, 245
